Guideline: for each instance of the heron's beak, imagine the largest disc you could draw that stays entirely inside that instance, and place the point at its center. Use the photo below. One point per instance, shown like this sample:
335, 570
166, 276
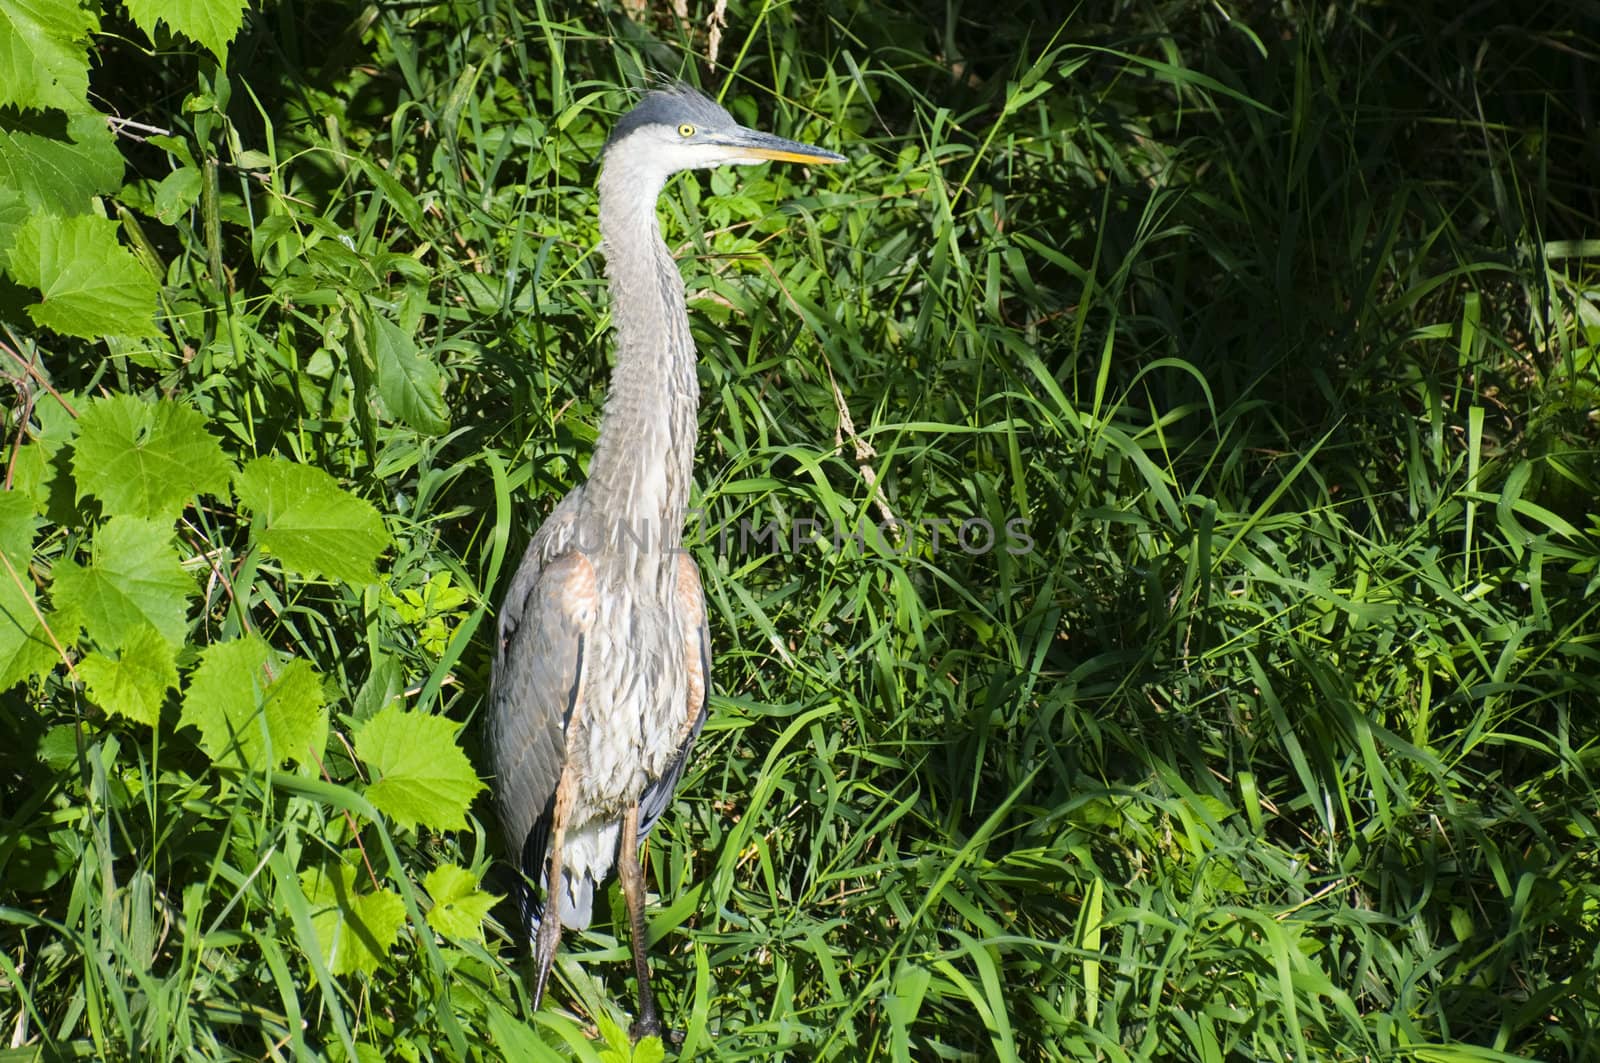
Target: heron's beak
750, 145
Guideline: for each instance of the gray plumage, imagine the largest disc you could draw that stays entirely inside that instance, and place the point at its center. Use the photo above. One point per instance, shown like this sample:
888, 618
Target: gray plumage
603, 663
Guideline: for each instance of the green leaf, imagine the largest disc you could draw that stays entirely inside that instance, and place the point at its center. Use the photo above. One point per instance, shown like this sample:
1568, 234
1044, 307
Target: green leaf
38, 858
56, 426
56, 176
177, 193
619, 1046
92, 285
134, 683
355, 931
412, 387
459, 906
212, 23
420, 773
44, 60
303, 517
25, 647
133, 578
13, 212
35, 471
146, 459
17, 523
515, 1040
36, 464
46, 478
254, 706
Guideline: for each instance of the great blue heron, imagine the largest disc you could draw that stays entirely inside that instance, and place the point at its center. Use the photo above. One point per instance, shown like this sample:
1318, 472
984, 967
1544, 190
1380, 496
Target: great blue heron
604, 659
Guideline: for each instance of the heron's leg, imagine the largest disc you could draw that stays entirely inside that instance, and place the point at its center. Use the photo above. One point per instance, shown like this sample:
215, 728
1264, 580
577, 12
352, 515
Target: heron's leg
632, 876
549, 937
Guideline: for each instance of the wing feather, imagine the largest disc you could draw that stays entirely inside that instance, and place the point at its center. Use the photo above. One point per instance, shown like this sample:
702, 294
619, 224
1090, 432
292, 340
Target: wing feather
536, 688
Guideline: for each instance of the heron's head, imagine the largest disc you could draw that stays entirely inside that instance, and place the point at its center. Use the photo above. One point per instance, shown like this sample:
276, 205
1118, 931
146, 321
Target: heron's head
678, 128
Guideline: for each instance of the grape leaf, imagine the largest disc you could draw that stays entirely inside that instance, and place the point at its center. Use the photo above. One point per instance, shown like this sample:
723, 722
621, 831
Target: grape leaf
619, 1046
412, 387
303, 517
355, 931
135, 683
255, 707
459, 906
57, 424
177, 194
25, 646
649, 1050
40, 856
25, 649
56, 176
420, 773
16, 527
133, 578
146, 459
92, 285
36, 465
13, 212
212, 23
33, 474
44, 53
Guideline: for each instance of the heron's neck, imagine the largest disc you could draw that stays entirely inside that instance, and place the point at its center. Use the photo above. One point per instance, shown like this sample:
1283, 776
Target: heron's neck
639, 476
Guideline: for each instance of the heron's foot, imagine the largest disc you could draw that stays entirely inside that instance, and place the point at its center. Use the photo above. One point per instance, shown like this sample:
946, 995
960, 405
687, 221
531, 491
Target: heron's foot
545, 944
650, 1026
645, 1026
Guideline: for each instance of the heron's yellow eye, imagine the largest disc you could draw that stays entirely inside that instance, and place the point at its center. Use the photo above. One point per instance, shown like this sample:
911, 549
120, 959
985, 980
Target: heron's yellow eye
686, 130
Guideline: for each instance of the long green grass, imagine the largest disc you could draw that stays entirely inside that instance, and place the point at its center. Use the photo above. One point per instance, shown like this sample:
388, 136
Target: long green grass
1263, 338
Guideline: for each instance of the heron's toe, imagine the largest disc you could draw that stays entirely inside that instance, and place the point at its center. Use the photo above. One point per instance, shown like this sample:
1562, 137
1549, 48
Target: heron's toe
650, 1026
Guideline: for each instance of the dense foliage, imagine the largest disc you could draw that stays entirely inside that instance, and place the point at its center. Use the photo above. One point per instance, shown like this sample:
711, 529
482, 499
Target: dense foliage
1146, 502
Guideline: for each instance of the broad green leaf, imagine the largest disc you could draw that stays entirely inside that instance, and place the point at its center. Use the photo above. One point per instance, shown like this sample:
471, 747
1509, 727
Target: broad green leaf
618, 1045
56, 426
303, 517
33, 474
177, 193
146, 459
420, 775
620, 1048
254, 706
136, 681
133, 578
57, 748
37, 464
56, 176
412, 387
45, 476
386, 682
13, 212
57, 423
355, 930
25, 647
38, 859
92, 285
44, 53
212, 23
459, 906
17, 522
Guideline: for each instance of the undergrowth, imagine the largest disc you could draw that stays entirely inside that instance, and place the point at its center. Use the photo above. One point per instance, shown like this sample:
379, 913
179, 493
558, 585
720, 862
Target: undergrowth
1145, 501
